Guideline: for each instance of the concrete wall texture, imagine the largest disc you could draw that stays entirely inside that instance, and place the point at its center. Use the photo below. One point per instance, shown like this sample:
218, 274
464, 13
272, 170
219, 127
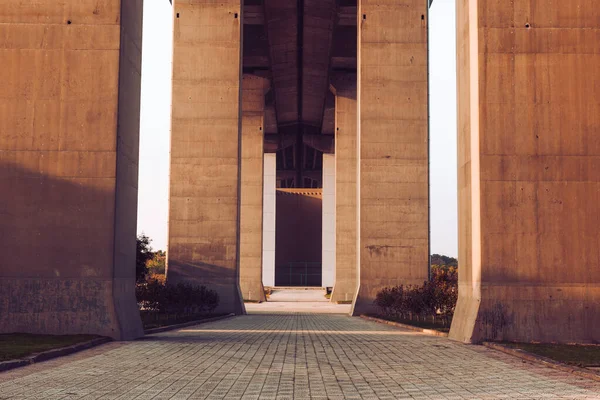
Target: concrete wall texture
529, 152
344, 288
269, 218
529, 156
69, 124
205, 149
393, 202
328, 222
254, 89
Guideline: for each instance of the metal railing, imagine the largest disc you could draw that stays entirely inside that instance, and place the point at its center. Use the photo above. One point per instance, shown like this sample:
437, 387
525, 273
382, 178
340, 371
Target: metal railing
300, 273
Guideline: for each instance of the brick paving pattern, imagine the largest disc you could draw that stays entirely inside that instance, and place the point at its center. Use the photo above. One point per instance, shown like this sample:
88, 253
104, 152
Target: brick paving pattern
292, 356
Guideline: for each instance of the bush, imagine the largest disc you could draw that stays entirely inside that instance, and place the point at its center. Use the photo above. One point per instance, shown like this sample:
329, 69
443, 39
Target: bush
161, 278
143, 254
157, 264
436, 298
182, 298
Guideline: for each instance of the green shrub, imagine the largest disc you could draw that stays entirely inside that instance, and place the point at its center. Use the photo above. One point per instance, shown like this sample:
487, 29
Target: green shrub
182, 298
436, 298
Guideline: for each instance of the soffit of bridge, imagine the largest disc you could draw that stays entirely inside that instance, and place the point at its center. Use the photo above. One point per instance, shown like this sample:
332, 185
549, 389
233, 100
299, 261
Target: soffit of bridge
299, 50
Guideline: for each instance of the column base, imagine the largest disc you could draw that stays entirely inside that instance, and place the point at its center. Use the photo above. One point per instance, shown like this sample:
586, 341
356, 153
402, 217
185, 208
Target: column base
547, 314
69, 307
221, 280
368, 289
343, 291
253, 292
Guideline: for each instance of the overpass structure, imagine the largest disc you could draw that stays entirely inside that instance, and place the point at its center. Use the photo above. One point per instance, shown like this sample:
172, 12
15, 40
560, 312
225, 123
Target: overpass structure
300, 79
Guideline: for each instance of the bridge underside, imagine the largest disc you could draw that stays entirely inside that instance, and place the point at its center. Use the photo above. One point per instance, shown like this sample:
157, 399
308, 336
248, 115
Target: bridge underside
298, 98
302, 78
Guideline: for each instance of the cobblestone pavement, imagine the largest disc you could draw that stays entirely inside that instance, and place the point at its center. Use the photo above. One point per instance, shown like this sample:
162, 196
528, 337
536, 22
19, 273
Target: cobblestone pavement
291, 356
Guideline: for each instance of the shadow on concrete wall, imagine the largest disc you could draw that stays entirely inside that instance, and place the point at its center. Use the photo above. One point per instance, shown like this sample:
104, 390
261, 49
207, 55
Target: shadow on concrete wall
57, 245
221, 279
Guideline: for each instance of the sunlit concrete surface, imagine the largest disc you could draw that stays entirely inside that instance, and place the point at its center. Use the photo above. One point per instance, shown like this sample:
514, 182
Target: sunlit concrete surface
290, 301
314, 295
297, 356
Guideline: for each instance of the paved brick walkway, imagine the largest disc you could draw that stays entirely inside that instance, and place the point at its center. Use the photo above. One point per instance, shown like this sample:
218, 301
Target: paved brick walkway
292, 356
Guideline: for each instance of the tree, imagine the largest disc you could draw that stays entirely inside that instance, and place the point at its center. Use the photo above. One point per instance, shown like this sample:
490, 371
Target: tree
143, 255
444, 261
156, 265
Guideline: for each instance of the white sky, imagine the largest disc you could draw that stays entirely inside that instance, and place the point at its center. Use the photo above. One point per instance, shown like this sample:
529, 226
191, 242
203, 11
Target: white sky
155, 125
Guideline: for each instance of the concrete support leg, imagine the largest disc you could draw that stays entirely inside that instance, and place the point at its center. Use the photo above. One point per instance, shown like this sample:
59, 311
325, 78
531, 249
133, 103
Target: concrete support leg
69, 134
205, 160
344, 86
251, 208
269, 213
328, 245
528, 172
393, 210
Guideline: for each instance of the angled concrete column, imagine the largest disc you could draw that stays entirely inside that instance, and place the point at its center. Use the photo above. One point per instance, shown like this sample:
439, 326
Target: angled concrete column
529, 176
269, 213
392, 140
328, 223
69, 134
251, 208
204, 199
344, 86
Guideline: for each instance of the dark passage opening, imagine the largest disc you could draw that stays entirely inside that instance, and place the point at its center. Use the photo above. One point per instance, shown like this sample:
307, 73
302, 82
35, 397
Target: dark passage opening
298, 240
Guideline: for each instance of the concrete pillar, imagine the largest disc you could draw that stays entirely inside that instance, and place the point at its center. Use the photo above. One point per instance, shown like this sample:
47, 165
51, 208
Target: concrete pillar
328, 230
251, 208
344, 86
69, 134
393, 211
205, 152
529, 152
269, 213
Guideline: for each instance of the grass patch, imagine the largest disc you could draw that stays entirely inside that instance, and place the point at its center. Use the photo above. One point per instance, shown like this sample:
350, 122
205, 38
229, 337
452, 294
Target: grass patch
328, 295
152, 319
572, 354
14, 346
437, 326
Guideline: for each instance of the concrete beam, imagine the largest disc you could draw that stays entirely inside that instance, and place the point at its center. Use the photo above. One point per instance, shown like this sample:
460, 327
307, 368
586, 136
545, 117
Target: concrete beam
347, 16
528, 171
290, 174
69, 134
319, 20
270, 122
269, 216
274, 143
328, 126
344, 87
251, 208
256, 48
205, 152
393, 199
328, 249
343, 54
323, 143
282, 31
254, 15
